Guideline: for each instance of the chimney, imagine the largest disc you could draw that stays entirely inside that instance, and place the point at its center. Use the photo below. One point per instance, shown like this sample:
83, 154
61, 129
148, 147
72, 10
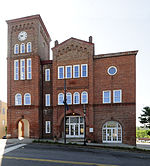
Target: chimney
90, 39
56, 43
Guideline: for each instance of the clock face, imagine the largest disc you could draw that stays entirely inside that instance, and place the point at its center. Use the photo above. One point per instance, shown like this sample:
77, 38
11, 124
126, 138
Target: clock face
22, 36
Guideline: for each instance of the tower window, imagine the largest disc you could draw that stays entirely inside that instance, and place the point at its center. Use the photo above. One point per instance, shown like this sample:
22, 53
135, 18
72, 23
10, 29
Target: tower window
27, 99
68, 71
47, 74
84, 97
84, 72
29, 69
29, 47
60, 72
22, 69
47, 100
107, 96
76, 71
16, 70
18, 99
22, 48
16, 49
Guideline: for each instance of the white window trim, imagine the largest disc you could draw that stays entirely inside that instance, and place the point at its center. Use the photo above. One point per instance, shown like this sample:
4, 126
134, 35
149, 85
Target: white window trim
15, 99
21, 77
120, 96
29, 59
46, 123
74, 71
46, 74
21, 48
109, 96
86, 70
74, 98
82, 99
66, 71
16, 45
46, 101
30, 46
15, 69
71, 98
58, 71
58, 99
25, 100
110, 73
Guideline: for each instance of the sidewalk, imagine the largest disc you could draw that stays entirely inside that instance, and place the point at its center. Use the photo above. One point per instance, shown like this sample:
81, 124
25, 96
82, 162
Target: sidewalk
145, 146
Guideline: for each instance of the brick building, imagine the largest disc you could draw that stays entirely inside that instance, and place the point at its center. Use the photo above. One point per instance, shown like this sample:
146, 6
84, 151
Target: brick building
105, 84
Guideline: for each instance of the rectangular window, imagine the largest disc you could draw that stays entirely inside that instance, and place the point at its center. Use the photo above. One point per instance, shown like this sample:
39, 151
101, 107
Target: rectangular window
76, 71
47, 100
106, 96
22, 69
68, 71
60, 72
84, 70
3, 122
47, 74
117, 96
47, 126
29, 69
16, 70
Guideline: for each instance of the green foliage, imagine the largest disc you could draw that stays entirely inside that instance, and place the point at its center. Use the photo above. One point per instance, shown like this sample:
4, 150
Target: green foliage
145, 116
141, 133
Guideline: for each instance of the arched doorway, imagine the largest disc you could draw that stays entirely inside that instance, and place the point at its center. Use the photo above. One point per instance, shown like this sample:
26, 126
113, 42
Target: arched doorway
23, 128
112, 132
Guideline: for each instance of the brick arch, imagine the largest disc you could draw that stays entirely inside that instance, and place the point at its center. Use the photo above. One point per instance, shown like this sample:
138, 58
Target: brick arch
70, 112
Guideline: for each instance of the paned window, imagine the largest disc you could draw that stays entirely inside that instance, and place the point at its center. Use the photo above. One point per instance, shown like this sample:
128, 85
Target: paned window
16, 49
27, 99
84, 97
47, 126
69, 98
3, 111
76, 98
22, 48
84, 70
107, 96
29, 47
22, 69
76, 71
18, 99
117, 96
60, 72
68, 71
47, 100
47, 74
29, 69
60, 99
16, 70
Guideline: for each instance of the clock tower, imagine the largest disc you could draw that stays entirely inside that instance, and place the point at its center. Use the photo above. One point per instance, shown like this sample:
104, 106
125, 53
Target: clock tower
28, 45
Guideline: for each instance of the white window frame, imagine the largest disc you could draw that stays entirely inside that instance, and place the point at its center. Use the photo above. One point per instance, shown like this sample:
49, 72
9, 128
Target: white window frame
46, 124
47, 100
74, 71
82, 70
59, 100
86, 97
68, 93
115, 97
74, 97
16, 74
70, 71
16, 49
16, 99
109, 97
21, 46
29, 43
22, 74
58, 71
29, 72
25, 99
47, 73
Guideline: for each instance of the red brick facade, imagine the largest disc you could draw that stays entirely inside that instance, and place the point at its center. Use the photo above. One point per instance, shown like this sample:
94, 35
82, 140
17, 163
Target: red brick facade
69, 53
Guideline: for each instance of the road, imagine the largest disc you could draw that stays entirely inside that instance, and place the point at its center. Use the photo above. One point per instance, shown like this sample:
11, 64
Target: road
54, 155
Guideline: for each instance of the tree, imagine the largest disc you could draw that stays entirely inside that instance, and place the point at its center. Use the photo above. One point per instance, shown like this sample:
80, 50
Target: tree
145, 117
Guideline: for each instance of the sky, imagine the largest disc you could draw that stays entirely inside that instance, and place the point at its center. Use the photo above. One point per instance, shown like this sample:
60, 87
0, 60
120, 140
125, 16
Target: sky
116, 26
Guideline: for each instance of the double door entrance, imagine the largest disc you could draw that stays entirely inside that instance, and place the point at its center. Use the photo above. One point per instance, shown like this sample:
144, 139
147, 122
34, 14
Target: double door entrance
74, 127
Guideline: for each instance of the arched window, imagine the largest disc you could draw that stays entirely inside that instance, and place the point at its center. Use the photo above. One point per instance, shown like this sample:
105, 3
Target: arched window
29, 47
76, 98
27, 99
112, 132
16, 49
22, 48
69, 98
60, 99
18, 99
84, 97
